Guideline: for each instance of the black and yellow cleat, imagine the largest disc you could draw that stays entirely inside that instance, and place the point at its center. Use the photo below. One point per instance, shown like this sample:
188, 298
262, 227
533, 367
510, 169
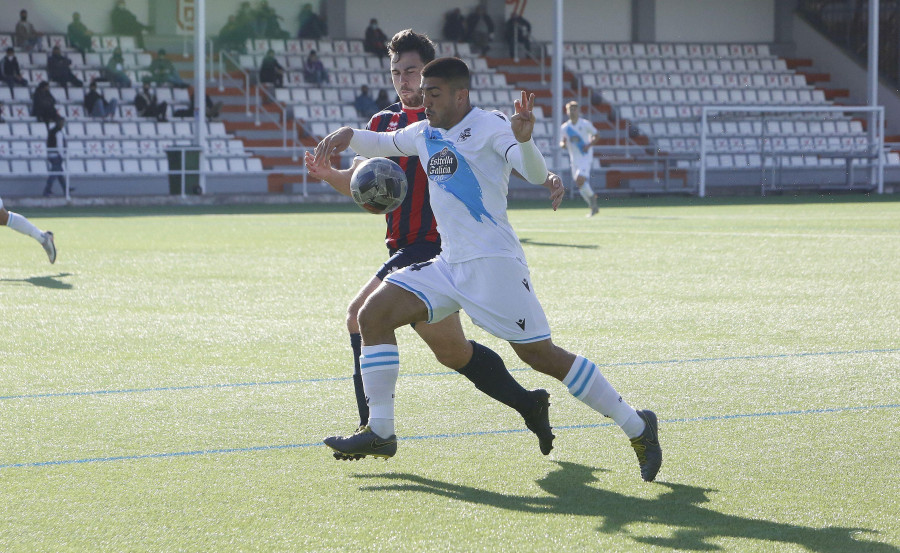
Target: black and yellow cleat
646, 446
363, 443
537, 419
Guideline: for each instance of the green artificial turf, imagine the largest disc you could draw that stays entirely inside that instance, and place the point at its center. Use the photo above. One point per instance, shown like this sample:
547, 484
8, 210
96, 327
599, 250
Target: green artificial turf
165, 386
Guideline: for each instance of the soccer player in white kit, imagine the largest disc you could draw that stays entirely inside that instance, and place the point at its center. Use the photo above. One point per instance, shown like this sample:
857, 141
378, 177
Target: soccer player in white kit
578, 136
467, 154
23, 225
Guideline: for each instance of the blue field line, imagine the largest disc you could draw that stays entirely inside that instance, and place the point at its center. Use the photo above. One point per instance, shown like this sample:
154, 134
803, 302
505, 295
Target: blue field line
264, 448
439, 373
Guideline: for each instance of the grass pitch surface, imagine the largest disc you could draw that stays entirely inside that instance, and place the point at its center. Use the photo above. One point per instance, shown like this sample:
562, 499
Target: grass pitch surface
166, 385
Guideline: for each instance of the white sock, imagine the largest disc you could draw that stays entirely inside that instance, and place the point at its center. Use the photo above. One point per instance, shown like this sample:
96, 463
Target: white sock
586, 192
587, 384
23, 225
380, 367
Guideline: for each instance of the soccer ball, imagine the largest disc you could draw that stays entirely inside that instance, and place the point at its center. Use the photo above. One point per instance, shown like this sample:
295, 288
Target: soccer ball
378, 185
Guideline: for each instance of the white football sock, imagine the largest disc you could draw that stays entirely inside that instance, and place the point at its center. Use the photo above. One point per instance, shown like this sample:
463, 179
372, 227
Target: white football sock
380, 367
586, 192
587, 384
23, 225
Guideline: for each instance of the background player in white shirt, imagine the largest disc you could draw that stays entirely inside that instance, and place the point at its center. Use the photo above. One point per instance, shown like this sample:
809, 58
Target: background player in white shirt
468, 154
578, 136
23, 225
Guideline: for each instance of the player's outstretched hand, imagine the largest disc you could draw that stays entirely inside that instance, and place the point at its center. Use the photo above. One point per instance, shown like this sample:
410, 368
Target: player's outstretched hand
555, 185
523, 121
334, 143
322, 171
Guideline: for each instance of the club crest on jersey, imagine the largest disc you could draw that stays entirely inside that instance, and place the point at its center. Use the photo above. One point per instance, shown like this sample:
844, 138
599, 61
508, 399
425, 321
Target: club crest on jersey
466, 133
442, 165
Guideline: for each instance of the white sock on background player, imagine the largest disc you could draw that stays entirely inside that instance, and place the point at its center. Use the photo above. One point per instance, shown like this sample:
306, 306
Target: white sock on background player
23, 225
586, 383
586, 192
380, 366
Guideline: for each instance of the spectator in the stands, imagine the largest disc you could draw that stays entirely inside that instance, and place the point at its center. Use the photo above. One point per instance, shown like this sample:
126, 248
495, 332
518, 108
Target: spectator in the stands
9, 70
126, 23
270, 71
266, 22
455, 25
311, 25
26, 36
364, 103
382, 101
148, 105
375, 41
43, 105
480, 30
55, 145
162, 71
518, 29
59, 69
78, 34
2, 112
313, 69
115, 69
98, 106
233, 36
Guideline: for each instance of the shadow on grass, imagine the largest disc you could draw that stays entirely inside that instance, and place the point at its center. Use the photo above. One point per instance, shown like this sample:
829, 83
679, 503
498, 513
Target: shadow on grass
680, 508
50, 281
528, 241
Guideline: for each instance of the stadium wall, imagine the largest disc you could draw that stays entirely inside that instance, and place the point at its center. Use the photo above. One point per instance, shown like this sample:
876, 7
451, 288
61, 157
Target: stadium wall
715, 21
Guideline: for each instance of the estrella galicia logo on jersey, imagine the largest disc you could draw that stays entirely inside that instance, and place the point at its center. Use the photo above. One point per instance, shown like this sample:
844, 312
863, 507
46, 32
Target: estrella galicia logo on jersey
442, 165
466, 133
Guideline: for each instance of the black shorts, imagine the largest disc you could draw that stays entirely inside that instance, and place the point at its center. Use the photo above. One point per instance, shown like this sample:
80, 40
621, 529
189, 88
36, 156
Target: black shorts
416, 252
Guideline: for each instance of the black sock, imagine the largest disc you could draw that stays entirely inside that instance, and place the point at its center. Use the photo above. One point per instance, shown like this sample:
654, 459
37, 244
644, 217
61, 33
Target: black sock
361, 406
488, 373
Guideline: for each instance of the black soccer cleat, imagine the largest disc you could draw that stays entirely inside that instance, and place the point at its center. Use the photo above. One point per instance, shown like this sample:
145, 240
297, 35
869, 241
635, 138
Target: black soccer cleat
363, 443
646, 446
537, 419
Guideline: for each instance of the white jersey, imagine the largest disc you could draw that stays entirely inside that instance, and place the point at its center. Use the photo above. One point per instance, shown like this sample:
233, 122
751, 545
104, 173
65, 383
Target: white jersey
578, 135
468, 178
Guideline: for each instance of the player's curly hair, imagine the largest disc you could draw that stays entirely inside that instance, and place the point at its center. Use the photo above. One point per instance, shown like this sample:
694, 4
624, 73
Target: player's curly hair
408, 40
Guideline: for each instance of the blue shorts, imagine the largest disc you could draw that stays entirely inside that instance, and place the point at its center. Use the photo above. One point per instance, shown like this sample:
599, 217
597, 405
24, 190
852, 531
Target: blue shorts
417, 252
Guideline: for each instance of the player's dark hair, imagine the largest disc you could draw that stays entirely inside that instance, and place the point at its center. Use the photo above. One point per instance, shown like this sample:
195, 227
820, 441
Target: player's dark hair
453, 70
408, 40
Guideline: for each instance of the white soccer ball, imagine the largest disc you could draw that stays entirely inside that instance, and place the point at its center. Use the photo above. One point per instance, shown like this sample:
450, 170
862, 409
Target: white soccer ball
378, 185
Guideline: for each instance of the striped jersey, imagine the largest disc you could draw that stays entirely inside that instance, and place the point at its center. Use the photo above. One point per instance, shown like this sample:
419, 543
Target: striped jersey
413, 221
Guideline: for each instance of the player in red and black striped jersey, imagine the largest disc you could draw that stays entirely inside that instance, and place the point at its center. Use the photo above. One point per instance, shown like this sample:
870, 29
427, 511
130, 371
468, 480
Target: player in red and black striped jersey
412, 237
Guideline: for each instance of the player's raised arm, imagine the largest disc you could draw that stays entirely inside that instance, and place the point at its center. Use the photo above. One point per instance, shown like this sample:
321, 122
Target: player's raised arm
334, 143
339, 179
523, 121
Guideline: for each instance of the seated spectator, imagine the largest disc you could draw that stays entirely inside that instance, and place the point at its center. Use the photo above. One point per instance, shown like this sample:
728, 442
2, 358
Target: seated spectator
313, 70
270, 71
9, 70
162, 71
96, 105
125, 23
517, 27
26, 37
115, 69
233, 36
311, 25
364, 103
266, 22
43, 105
148, 105
455, 25
78, 34
375, 41
480, 30
382, 101
59, 69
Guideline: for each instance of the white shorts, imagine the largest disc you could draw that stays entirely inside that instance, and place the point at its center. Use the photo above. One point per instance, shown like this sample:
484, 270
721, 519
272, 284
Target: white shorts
582, 168
496, 293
